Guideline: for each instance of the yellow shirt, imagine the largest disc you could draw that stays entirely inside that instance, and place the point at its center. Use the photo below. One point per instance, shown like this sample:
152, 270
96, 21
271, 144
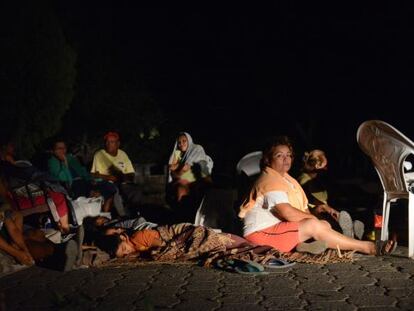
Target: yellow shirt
188, 175
106, 164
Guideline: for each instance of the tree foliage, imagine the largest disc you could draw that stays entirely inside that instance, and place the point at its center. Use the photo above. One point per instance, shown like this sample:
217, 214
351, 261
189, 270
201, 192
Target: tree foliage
38, 74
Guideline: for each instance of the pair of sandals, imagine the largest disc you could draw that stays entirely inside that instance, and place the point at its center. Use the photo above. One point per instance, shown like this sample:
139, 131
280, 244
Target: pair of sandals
250, 267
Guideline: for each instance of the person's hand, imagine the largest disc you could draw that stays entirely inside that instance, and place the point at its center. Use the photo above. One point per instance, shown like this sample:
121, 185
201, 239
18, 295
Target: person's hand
114, 231
62, 157
186, 167
319, 209
24, 258
333, 212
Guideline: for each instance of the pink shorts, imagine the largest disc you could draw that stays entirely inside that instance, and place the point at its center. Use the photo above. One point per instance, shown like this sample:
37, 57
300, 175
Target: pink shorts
283, 236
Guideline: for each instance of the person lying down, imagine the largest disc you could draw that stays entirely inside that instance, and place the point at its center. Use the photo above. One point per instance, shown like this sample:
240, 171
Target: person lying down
187, 242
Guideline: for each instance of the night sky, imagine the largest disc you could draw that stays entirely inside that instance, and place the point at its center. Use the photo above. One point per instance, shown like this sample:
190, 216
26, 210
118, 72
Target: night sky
231, 74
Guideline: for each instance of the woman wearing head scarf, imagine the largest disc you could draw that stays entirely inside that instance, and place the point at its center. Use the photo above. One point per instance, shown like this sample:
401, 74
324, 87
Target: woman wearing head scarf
187, 165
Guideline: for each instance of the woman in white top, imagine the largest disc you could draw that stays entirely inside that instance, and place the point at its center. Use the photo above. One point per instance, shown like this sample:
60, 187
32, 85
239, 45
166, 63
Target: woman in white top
276, 212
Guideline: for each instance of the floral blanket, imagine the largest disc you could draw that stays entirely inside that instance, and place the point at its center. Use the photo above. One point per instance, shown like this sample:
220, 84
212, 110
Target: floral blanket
189, 243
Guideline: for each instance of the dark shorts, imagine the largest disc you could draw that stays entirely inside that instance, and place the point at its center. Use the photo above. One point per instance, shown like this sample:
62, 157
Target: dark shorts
106, 188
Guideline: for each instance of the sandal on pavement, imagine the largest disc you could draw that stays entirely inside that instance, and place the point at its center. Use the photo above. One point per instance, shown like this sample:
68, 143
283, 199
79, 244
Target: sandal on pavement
240, 266
386, 247
315, 247
278, 263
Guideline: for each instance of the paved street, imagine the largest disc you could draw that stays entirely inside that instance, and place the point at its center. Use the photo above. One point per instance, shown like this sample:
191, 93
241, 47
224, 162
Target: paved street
370, 283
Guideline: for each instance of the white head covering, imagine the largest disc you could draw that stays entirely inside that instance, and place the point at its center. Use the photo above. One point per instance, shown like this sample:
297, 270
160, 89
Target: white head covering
194, 154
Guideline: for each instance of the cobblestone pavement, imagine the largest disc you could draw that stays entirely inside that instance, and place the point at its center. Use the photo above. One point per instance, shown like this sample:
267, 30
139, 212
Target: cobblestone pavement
370, 283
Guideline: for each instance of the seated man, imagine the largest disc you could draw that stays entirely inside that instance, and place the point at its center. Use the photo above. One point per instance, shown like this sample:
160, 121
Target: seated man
113, 164
67, 169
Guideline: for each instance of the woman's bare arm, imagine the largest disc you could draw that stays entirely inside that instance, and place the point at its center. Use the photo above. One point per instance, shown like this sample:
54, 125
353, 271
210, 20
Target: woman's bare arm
287, 212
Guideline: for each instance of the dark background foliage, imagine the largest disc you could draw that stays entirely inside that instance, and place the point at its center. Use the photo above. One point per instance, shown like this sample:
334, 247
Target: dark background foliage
229, 74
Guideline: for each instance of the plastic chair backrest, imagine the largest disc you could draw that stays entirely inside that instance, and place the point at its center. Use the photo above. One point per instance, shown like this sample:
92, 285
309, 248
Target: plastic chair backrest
388, 149
250, 163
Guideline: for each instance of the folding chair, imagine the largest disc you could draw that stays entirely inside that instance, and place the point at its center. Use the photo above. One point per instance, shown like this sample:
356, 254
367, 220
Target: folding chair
388, 148
34, 193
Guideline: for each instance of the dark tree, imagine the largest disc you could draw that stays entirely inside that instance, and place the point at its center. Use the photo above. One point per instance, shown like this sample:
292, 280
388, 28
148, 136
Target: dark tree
37, 74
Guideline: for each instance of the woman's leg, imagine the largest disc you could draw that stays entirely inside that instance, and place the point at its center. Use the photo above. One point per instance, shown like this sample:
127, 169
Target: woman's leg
14, 227
319, 230
107, 190
20, 255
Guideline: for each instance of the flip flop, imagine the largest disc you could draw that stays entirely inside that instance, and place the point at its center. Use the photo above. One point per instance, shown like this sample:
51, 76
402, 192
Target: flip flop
241, 266
381, 247
278, 263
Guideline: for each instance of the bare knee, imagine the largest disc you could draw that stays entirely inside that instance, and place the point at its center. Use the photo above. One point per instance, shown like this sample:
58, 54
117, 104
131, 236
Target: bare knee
308, 228
312, 228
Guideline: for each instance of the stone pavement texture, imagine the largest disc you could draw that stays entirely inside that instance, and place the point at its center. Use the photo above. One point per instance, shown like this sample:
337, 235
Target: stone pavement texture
369, 283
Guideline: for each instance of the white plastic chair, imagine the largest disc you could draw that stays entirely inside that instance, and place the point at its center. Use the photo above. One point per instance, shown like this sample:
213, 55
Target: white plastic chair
388, 149
250, 164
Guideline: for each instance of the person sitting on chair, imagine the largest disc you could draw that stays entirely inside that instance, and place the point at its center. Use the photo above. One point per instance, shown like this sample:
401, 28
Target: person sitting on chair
31, 246
113, 164
189, 167
23, 175
276, 211
314, 164
67, 169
